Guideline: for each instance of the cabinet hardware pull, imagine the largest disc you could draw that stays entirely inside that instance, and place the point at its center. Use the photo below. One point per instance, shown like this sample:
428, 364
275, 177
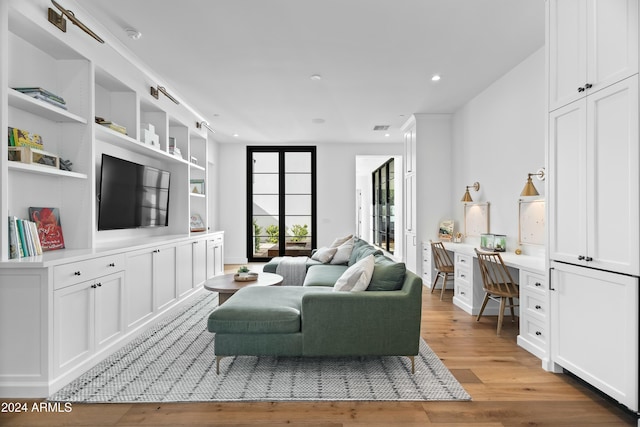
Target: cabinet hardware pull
113, 264
538, 307
537, 284
588, 258
581, 89
77, 273
588, 86
538, 333
99, 285
93, 286
580, 257
155, 251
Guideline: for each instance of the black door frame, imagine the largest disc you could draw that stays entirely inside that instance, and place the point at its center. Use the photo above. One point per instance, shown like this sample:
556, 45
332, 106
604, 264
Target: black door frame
281, 150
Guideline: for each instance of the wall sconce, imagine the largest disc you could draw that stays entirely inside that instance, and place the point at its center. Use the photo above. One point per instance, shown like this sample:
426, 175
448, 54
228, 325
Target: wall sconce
58, 20
155, 93
205, 124
529, 189
467, 197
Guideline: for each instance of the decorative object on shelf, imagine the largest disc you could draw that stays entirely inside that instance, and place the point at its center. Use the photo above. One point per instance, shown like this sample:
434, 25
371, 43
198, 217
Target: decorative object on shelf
457, 238
197, 186
445, 231
111, 125
173, 149
59, 22
65, 165
466, 197
202, 124
518, 251
194, 160
196, 223
155, 93
43, 95
493, 242
33, 156
149, 136
245, 277
49, 227
22, 138
529, 189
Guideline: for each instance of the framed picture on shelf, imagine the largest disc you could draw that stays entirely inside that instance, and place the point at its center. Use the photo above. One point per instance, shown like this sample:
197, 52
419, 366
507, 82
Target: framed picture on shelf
49, 227
196, 223
197, 186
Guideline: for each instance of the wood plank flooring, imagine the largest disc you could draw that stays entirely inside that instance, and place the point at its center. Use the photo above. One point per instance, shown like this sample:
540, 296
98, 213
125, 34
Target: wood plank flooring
507, 385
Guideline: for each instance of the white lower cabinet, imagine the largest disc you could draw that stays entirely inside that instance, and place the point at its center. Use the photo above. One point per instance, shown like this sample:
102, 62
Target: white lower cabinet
534, 314
595, 329
215, 257
88, 317
184, 268
199, 262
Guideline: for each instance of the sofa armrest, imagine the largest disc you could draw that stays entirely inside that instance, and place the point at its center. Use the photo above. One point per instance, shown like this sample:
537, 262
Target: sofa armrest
363, 323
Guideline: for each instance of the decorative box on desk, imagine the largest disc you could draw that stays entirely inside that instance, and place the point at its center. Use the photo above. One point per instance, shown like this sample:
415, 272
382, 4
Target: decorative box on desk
493, 242
33, 156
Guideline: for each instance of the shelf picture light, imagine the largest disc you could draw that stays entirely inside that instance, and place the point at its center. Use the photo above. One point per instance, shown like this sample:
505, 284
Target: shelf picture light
205, 124
155, 93
530, 189
58, 20
467, 197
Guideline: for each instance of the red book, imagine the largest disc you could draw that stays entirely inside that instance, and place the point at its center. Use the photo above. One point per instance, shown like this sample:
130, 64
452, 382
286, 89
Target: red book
49, 227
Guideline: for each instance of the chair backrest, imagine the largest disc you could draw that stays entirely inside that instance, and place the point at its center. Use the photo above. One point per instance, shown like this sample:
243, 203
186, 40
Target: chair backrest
441, 256
495, 276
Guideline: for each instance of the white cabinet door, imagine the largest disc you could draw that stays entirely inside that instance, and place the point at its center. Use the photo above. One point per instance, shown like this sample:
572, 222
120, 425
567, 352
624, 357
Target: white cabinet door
184, 268
109, 309
613, 180
139, 287
164, 276
595, 180
595, 329
592, 44
199, 262
73, 325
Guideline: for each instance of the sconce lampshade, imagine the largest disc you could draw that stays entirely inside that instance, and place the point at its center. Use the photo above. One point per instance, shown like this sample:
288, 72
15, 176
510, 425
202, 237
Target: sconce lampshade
467, 196
530, 189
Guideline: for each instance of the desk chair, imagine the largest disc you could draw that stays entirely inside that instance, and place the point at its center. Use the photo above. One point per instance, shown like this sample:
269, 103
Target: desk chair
443, 266
497, 283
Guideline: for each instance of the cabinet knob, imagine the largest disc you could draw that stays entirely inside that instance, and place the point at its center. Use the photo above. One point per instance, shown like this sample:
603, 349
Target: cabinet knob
588, 259
113, 264
580, 257
588, 86
156, 251
77, 273
538, 307
99, 285
537, 284
93, 286
581, 89
538, 333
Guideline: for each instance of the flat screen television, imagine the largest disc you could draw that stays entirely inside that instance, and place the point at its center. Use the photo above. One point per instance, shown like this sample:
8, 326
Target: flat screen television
132, 195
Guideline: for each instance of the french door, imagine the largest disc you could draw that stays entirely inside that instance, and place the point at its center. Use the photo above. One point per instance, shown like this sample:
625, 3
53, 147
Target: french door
281, 201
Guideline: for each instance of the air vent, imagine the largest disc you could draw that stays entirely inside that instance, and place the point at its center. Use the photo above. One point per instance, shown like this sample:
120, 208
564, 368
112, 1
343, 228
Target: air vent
381, 127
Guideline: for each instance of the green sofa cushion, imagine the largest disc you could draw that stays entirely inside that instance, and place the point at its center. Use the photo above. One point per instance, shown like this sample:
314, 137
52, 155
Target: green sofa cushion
362, 249
324, 275
259, 309
388, 275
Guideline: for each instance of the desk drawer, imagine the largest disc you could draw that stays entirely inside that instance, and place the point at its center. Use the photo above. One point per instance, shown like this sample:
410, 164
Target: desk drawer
463, 292
533, 282
462, 260
535, 306
535, 333
70, 274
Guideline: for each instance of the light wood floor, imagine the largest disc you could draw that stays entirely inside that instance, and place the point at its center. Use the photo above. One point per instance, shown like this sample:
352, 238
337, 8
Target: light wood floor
507, 386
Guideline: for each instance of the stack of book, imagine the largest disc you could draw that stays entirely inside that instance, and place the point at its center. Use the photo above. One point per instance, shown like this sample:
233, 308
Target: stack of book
111, 125
43, 95
23, 238
22, 138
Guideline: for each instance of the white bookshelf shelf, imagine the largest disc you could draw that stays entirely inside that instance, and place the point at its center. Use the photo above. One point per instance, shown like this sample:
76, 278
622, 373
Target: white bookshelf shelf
42, 109
44, 170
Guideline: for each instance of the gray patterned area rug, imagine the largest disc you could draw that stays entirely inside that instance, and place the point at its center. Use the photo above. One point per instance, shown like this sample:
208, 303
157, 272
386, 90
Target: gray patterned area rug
174, 362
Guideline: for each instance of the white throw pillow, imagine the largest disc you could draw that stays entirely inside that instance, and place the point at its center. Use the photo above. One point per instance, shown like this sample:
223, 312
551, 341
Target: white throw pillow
357, 277
324, 255
343, 252
340, 240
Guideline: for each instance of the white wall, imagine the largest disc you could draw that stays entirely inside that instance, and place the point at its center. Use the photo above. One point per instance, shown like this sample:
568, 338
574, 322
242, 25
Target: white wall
335, 192
499, 137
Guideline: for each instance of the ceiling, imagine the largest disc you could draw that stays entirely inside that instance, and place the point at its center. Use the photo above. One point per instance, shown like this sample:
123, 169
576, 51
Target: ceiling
246, 65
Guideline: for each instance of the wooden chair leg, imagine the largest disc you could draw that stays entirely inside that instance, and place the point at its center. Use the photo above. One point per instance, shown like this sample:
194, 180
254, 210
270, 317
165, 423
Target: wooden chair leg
435, 282
484, 304
444, 285
513, 311
503, 301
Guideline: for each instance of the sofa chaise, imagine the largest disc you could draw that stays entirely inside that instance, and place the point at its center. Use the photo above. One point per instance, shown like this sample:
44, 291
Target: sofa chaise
315, 320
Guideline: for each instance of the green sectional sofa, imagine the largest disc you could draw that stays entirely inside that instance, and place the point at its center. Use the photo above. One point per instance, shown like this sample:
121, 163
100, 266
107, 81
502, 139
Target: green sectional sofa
315, 320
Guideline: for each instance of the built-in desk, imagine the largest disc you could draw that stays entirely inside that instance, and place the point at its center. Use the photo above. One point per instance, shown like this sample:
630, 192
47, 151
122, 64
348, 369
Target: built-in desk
529, 271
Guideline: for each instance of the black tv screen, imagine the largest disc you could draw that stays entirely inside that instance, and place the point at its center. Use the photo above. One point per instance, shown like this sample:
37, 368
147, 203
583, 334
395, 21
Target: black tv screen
132, 195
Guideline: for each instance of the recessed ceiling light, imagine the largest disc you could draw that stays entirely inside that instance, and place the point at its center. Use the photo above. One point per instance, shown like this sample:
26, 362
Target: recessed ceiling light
435, 78
316, 77
387, 135
235, 135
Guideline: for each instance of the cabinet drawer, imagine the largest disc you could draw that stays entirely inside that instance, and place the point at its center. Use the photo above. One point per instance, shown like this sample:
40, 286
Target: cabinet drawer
533, 281
462, 260
463, 292
463, 275
535, 332
534, 306
69, 274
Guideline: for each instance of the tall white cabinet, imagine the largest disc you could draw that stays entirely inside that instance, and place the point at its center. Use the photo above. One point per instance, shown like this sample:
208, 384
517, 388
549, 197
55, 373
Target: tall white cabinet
65, 310
594, 192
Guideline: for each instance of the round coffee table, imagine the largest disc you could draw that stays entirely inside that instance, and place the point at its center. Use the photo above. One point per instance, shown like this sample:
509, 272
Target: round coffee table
226, 286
